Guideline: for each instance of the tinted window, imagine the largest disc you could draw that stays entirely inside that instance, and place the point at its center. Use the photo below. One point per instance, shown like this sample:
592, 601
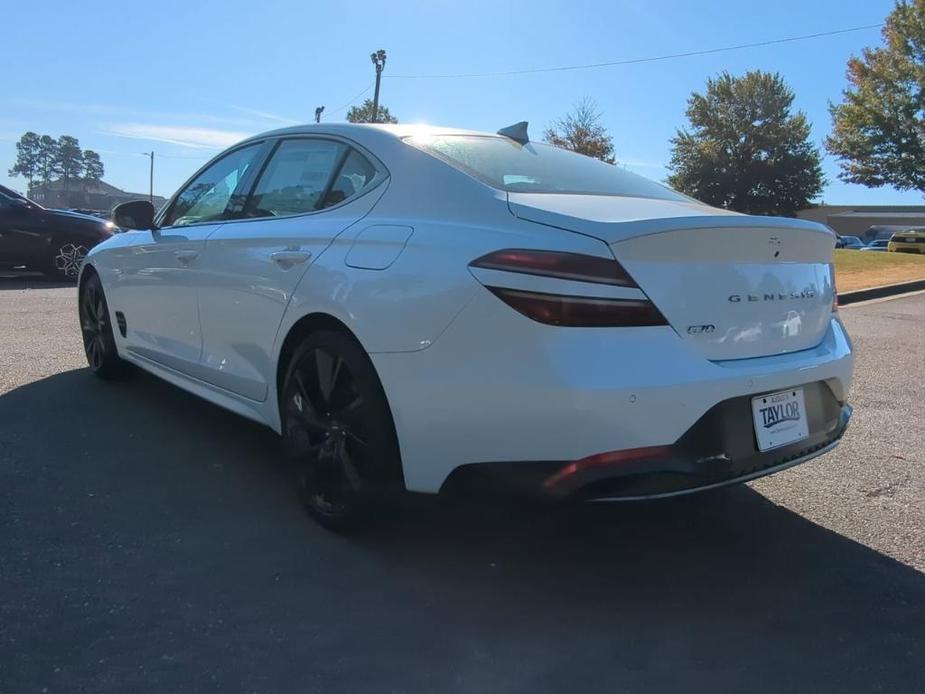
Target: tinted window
7, 198
207, 197
295, 178
354, 176
538, 168
9, 194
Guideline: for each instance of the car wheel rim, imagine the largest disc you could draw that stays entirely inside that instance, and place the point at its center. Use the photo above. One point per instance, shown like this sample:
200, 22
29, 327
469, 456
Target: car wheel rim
93, 325
326, 422
69, 258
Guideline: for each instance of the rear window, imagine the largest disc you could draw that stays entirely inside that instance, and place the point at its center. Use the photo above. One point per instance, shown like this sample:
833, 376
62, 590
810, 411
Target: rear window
538, 168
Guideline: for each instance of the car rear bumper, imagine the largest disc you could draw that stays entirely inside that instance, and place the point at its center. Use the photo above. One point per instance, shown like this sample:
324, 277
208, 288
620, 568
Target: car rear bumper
907, 247
718, 450
503, 389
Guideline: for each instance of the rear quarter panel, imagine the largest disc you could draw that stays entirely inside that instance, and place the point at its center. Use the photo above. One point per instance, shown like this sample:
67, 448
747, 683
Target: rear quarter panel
407, 306
452, 219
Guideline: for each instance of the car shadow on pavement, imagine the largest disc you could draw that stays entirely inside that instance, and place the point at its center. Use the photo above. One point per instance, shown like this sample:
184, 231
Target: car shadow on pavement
30, 280
151, 542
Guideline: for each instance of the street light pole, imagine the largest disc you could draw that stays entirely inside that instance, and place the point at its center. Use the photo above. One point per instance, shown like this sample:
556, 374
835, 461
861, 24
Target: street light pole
318, 112
378, 59
151, 180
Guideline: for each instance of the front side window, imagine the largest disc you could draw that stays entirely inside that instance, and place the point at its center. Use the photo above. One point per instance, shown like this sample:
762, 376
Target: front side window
207, 197
538, 168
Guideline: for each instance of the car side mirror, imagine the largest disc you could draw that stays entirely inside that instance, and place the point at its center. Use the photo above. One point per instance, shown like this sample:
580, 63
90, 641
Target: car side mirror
134, 214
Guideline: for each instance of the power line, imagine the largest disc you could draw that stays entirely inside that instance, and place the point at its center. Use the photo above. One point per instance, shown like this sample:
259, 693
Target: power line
178, 156
636, 61
160, 156
350, 103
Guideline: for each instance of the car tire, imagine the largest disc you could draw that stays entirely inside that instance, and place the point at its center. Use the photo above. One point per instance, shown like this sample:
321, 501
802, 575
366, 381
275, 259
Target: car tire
96, 329
338, 432
64, 259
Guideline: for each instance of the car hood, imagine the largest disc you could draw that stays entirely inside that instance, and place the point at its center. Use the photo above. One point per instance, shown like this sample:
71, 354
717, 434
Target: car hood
84, 223
77, 215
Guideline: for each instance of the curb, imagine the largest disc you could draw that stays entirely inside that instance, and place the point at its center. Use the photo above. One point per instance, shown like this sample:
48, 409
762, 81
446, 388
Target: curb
880, 292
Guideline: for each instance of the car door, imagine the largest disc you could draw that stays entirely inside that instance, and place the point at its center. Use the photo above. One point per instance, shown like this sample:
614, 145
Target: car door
22, 238
310, 190
7, 215
155, 286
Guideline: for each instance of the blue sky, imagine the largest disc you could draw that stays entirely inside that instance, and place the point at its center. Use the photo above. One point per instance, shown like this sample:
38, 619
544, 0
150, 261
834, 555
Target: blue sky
188, 78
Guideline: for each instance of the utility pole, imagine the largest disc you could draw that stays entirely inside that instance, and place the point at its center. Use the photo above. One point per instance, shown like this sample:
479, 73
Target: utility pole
318, 112
378, 59
150, 156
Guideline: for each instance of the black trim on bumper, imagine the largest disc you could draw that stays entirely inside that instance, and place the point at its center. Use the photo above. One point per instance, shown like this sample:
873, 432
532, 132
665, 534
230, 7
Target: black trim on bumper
719, 449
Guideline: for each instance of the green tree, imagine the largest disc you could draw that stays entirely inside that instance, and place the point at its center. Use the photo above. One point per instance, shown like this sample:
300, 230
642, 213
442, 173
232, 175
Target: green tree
582, 131
47, 158
27, 157
745, 149
364, 113
70, 159
91, 166
879, 128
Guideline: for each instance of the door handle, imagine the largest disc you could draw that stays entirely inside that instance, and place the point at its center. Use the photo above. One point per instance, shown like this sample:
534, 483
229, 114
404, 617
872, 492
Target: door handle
186, 257
286, 259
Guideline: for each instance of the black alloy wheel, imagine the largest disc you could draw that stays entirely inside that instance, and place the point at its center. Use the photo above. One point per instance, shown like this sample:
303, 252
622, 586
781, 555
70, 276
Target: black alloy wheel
338, 430
96, 329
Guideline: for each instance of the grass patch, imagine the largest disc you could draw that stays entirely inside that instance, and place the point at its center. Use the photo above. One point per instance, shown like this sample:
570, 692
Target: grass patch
864, 269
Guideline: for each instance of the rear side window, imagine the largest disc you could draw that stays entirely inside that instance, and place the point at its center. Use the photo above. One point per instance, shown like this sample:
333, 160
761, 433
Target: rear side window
306, 175
354, 176
538, 168
295, 179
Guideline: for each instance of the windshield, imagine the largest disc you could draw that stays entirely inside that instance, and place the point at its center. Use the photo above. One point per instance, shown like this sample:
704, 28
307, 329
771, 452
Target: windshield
7, 195
538, 168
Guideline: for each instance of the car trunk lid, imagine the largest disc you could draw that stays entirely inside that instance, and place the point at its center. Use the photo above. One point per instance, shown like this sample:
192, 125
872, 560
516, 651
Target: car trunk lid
733, 286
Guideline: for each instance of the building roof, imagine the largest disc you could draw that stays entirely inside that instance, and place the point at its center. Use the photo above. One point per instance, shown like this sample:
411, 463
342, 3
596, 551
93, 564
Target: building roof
97, 186
836, 209
885, 212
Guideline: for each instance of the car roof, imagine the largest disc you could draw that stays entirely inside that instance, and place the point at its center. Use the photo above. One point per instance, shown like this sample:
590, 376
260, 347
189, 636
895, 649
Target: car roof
370, 133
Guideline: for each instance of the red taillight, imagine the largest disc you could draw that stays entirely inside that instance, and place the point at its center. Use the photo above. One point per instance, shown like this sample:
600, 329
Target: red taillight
568, 309
612, 458
580, 311
565, 266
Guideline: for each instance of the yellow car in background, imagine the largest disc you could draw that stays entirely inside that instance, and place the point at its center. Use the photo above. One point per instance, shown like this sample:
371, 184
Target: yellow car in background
909, 241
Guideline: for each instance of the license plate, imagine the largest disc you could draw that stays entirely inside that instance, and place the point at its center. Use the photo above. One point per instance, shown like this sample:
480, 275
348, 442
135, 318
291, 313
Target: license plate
780, 418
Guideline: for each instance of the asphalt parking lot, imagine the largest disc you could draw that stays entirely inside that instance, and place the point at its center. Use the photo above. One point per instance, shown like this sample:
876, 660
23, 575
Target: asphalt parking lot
149, 542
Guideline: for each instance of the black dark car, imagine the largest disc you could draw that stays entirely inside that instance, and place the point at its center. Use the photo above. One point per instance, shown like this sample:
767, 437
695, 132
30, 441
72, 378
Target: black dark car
53, 242
849, 242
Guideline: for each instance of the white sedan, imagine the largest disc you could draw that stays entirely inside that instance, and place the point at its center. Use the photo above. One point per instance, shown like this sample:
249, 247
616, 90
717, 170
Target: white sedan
428, 309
